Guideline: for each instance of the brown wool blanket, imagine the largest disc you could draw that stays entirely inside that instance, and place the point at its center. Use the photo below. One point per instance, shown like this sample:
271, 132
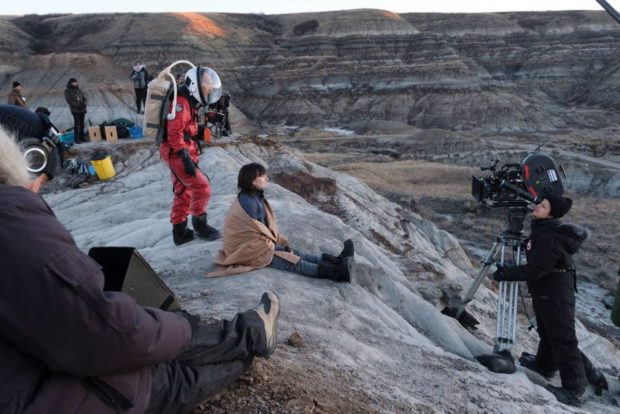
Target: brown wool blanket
248, 243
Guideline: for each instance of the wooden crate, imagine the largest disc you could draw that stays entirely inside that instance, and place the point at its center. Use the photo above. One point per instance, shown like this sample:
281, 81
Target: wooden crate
110, 134
94, 133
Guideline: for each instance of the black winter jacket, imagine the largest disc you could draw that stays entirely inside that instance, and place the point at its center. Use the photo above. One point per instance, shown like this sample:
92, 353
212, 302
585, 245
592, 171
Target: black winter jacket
139, 78
549, 271
76, 99
66, 346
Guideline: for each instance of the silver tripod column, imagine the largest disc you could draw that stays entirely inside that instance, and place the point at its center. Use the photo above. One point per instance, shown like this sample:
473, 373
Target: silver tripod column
507, 295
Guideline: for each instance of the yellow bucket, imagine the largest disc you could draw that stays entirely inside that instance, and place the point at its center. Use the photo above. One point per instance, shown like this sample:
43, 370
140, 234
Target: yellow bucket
104, 168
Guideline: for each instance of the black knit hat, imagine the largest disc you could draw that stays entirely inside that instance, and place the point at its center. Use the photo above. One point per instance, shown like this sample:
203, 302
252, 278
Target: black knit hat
559, 205
72, 80
42, 110
16, 84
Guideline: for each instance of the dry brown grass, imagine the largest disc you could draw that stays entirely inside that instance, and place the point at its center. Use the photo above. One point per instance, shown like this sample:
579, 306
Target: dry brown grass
414, 178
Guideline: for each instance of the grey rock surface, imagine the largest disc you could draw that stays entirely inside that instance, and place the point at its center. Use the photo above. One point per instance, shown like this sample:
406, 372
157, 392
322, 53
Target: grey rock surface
384, 332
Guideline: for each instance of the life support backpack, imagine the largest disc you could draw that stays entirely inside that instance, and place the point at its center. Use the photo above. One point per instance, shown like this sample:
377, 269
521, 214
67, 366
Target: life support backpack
224, 101
157, 107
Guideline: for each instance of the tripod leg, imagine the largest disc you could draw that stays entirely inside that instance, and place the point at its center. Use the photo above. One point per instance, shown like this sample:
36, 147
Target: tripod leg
501, 306
501, 316
458, 312
507, 302
484, 270
506, 316
514, 301
501, 360
514, 292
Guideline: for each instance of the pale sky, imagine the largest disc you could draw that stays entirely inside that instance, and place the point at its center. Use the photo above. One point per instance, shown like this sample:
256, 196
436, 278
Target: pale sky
19, 7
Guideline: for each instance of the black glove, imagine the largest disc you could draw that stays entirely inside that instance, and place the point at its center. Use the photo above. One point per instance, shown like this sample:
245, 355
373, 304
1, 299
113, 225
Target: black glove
188, 165
500, 274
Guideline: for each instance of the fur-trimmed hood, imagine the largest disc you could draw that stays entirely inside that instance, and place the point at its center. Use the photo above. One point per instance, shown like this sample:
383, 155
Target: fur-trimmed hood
572, 236
13, 168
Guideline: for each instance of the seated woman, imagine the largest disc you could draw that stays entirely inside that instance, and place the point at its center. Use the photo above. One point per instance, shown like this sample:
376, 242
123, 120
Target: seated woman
252, 240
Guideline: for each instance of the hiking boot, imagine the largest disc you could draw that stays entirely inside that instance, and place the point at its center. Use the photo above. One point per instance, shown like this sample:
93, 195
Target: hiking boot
269, 310
331, 259
181, 234
337, 272
598, 381
203, 230
347, 251
594, 376
566, 396
346, 268
528, 361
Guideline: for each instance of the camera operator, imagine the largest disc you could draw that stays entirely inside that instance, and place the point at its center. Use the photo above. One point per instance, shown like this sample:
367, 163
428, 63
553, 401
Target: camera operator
35, 131
550, 276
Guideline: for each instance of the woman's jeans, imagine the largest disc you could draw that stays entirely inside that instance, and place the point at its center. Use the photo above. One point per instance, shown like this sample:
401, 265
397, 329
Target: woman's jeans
307, 266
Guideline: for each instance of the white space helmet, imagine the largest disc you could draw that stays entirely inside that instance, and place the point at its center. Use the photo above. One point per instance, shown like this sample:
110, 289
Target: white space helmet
204, 84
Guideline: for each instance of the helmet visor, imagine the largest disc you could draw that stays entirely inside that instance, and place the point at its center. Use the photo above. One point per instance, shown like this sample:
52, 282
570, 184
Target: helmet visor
209, 85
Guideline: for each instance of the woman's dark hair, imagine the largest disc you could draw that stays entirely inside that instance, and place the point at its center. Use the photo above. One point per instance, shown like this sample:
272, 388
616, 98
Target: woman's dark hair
247, 174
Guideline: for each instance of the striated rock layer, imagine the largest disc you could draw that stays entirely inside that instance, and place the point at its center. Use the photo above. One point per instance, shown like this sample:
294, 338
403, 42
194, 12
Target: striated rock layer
499, 72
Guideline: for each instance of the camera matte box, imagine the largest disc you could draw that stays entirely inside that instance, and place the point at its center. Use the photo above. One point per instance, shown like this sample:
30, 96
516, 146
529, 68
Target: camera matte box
541, 175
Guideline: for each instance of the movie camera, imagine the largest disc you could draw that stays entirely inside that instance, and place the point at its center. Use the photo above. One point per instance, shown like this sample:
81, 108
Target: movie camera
518, 184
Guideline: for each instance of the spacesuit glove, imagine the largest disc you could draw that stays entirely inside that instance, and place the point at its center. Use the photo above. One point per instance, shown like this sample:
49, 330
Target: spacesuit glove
188, 164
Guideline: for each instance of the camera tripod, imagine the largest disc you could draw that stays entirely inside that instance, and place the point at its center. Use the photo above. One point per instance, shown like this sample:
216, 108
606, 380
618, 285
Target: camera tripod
507, 292
511, 239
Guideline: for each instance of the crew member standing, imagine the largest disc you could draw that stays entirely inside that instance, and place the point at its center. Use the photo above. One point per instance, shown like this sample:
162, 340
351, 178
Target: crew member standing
139, 76
550, 276
180, 151
77, 104
16, 97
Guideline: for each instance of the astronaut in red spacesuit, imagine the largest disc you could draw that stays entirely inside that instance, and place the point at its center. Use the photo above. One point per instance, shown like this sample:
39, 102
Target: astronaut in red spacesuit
180, 151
